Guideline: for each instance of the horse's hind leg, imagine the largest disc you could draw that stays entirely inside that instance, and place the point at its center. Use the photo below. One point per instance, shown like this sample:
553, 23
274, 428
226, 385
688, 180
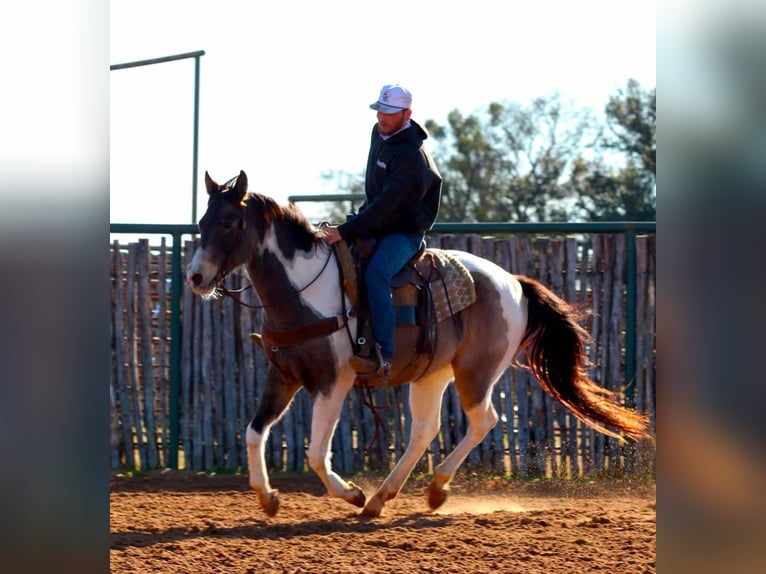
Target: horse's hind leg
425, 408
325, 415
482, 417
276, 398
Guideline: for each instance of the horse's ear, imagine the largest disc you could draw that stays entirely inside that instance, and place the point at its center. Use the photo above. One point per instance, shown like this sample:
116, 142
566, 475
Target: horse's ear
240, 188
211, 185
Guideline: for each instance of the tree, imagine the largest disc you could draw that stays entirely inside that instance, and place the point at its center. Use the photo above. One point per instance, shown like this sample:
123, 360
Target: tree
627, 191
632, 119
510, 164
473, 165
605, 193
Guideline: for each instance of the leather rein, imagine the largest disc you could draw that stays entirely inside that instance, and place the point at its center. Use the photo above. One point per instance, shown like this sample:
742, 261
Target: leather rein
231, 292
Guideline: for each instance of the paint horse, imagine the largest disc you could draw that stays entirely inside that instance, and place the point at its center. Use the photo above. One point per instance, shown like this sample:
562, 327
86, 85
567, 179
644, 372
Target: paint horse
296, 277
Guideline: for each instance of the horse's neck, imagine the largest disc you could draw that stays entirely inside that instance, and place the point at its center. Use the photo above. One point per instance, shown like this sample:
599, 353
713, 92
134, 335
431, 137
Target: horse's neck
303, 279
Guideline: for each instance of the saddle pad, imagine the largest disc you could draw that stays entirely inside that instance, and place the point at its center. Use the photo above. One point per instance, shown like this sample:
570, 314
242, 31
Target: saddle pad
458, 290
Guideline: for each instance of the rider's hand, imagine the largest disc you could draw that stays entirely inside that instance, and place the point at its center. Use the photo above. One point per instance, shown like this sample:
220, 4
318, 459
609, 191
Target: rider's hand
330, 234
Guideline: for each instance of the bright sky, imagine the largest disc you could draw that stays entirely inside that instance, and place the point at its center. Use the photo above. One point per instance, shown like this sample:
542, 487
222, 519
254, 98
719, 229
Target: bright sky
285, 87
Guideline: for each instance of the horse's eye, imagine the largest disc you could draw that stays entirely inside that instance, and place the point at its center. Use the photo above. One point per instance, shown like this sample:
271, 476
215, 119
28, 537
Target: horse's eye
228, 223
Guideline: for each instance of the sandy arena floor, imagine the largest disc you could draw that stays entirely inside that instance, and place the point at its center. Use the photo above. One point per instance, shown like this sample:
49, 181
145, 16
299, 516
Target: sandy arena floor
183, 522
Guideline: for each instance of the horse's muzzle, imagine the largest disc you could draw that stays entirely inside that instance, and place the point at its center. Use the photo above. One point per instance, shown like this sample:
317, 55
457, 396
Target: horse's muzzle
202, 275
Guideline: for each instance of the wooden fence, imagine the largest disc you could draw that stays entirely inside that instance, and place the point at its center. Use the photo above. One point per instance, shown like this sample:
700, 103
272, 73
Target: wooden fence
223, 372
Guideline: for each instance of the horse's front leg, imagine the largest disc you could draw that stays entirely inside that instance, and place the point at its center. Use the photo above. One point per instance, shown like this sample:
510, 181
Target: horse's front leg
276, 398
324, 420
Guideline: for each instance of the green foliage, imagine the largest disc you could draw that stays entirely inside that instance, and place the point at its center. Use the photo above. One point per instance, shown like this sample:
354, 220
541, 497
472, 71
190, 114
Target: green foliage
510, 163
632, 117
628, 191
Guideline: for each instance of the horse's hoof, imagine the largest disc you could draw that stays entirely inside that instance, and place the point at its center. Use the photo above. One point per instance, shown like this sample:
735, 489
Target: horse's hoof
436, 496
374, 507
354, 495
371, 511
269, 502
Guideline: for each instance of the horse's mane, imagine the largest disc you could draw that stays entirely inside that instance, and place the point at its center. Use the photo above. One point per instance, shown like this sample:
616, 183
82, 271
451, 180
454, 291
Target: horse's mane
271, 212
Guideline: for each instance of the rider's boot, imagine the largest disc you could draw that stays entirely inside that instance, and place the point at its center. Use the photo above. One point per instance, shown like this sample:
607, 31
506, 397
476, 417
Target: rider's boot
376, 365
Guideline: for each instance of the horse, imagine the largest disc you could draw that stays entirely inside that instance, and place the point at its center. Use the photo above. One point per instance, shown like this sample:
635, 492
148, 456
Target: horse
296, 277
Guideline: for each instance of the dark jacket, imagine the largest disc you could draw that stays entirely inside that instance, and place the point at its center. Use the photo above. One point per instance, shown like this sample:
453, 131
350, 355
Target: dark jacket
402, 185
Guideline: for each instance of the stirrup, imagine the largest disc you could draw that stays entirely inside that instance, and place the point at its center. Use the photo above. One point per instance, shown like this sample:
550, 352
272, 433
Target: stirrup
384, 371
372, 366
384, 367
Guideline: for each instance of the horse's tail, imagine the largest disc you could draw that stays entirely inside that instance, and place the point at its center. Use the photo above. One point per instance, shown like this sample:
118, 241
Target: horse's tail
554, 343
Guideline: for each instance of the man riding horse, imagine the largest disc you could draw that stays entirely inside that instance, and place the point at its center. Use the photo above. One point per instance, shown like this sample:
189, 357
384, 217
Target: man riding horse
403, 190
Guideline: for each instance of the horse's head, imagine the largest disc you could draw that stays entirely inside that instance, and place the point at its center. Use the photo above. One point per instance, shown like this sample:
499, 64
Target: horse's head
221, 230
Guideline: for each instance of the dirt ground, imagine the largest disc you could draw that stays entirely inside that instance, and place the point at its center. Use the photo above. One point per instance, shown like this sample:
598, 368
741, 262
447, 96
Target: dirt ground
183, 522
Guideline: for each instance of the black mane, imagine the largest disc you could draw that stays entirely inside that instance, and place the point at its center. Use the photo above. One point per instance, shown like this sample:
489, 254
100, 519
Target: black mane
292, 228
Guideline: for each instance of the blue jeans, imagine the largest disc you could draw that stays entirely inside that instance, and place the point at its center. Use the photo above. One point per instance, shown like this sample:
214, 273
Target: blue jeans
392, 253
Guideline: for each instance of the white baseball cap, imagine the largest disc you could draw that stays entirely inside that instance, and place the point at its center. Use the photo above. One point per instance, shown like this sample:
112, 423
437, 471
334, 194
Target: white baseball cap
393, 98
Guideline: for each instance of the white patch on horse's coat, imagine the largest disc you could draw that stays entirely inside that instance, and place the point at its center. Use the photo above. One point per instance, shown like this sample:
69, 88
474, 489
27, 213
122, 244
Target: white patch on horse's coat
303, 271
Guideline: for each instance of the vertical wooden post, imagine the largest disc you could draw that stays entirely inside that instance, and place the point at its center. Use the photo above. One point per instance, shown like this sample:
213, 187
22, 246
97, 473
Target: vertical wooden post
144, 309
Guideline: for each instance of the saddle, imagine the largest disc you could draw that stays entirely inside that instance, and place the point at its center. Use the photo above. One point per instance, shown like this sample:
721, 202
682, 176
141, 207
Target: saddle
432, 287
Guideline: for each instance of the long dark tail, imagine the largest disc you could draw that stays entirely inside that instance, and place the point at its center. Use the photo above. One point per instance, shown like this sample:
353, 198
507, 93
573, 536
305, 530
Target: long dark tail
554, 344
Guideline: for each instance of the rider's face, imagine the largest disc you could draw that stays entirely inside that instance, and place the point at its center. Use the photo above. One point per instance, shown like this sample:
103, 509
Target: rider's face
391, 123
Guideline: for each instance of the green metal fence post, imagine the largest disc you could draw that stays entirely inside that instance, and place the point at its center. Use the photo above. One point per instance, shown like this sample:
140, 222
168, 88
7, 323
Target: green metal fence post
630, 319
175, 349
195, 150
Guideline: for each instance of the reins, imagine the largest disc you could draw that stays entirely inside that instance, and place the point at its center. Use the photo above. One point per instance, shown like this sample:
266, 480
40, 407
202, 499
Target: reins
369, 402
231, 293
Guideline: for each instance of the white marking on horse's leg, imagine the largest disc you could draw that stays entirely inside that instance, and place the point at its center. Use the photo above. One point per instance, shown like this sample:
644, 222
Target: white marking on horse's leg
425, 407
324, 420
256, 461
276, 398
481, 419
